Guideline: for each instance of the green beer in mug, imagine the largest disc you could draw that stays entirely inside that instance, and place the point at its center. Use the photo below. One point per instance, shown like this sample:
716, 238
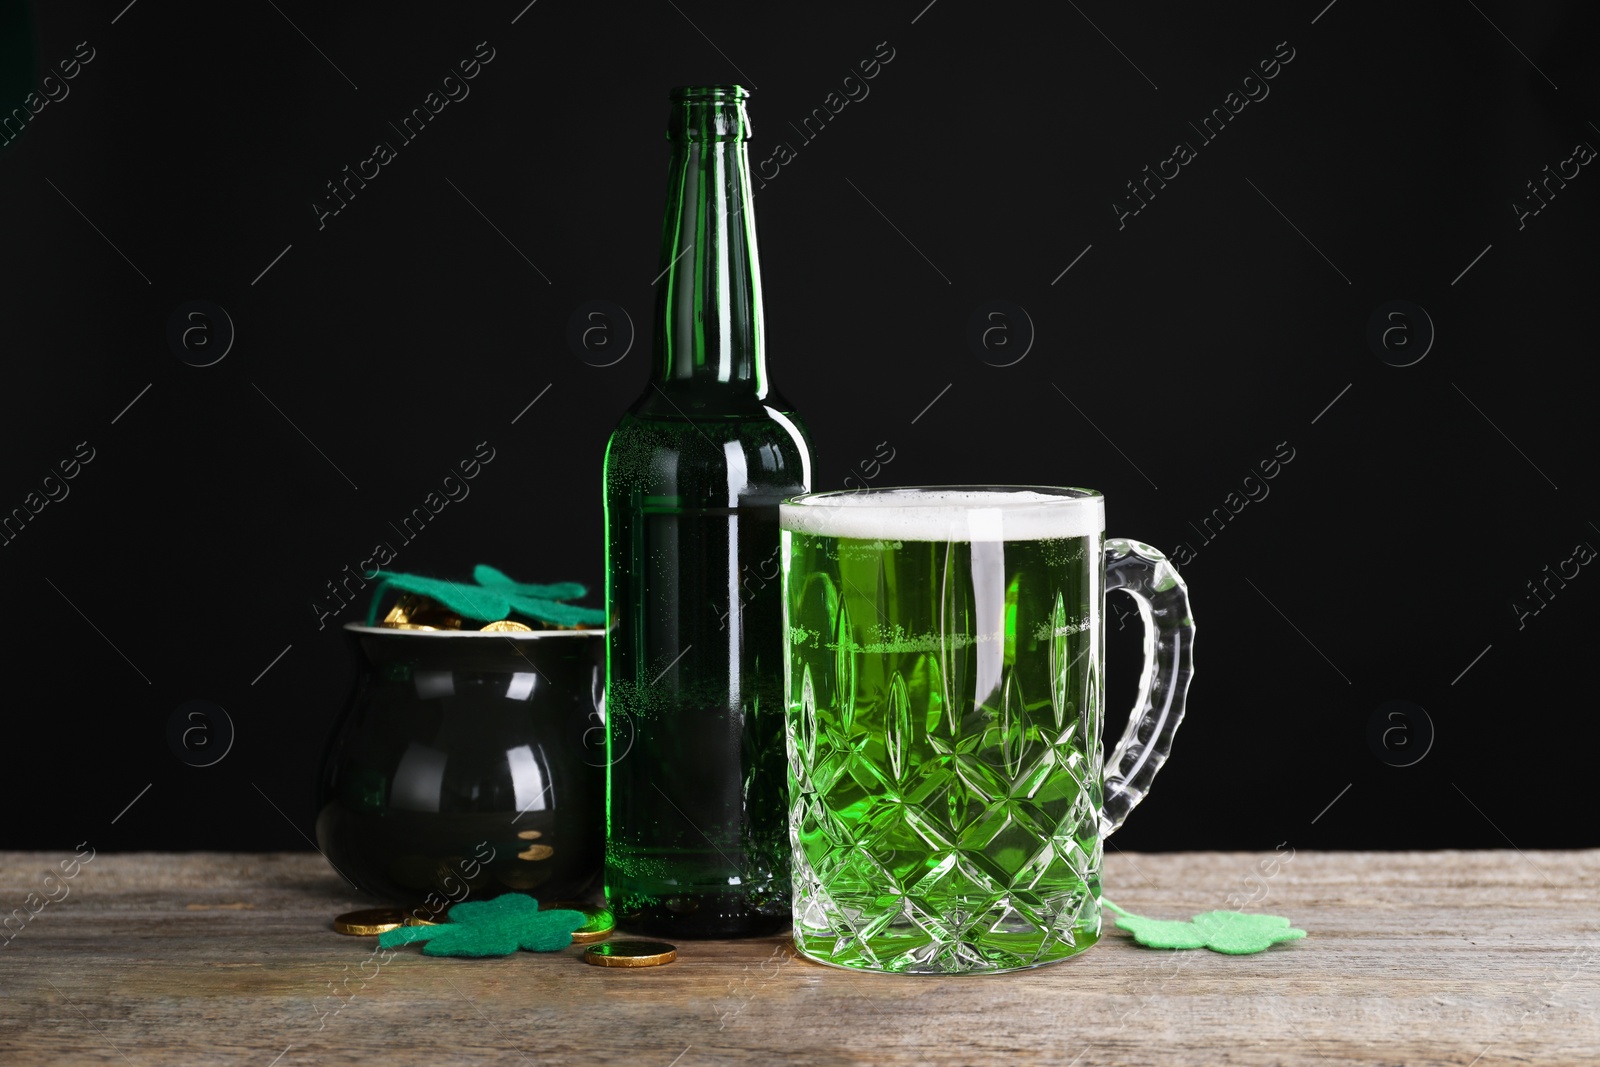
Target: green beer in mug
948, 797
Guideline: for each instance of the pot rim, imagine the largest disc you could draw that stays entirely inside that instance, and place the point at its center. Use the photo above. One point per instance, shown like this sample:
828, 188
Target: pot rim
510, 635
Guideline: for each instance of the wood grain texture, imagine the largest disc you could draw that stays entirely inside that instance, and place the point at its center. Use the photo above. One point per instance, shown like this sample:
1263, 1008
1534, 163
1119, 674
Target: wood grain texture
1458, 958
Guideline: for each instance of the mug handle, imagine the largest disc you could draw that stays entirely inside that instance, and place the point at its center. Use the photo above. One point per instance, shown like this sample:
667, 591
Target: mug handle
1155, 585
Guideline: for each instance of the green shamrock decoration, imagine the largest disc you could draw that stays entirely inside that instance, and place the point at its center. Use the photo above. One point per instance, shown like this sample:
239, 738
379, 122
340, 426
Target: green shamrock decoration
495, 927
492, 595
1236, 933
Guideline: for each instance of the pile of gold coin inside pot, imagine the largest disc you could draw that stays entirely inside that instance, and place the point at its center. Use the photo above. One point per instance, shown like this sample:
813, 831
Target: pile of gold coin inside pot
415, 612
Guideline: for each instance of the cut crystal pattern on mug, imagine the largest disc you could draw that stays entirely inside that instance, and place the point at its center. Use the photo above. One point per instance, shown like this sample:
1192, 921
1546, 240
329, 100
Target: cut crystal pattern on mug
938, 828
944, 686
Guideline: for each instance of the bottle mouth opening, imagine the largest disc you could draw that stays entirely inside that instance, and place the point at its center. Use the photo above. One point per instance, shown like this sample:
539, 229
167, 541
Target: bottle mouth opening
708, 113
701, 93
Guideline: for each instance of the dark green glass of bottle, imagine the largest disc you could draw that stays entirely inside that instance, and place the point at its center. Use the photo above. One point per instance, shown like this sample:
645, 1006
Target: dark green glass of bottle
697, 837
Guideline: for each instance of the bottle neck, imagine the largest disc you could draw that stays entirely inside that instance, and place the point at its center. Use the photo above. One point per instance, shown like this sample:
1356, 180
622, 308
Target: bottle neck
709, 325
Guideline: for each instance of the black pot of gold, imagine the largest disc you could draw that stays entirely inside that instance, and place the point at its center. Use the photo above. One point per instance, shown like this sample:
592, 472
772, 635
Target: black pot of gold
471, 759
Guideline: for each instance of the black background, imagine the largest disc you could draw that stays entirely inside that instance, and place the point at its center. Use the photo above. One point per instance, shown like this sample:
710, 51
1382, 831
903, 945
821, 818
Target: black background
1177, 353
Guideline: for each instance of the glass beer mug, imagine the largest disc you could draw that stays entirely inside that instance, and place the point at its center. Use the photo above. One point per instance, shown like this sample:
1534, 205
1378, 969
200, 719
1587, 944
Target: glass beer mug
944, 679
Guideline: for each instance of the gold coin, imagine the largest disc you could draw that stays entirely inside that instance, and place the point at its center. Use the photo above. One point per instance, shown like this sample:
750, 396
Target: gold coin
406, 608
415, 612
630, 954
536, 852
530, 835
398, 615
598, 922
430, 915
369, 922
506, 626
583, 936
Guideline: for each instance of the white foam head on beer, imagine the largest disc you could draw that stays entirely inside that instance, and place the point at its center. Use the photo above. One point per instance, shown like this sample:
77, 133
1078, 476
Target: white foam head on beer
947, 515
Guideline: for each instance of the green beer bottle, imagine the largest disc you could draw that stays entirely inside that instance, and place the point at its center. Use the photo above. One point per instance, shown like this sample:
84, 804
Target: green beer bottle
697, 839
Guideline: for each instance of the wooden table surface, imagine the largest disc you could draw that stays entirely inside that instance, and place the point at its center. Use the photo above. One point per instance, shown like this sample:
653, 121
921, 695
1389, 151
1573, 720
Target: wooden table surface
1465, 958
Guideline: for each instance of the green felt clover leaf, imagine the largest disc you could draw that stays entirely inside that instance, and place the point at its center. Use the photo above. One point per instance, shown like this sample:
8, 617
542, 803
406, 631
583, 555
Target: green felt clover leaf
495, 927
492, 595
1236, 933
540, 601
466, 600
493, 578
